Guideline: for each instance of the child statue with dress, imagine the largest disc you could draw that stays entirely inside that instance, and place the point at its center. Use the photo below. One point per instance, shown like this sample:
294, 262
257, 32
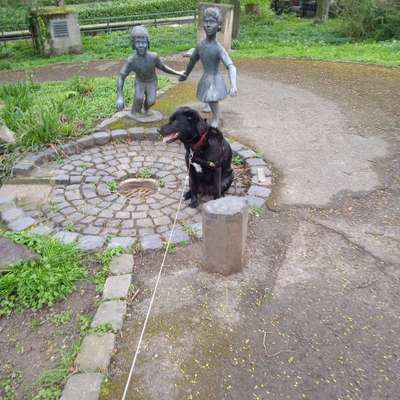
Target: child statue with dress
211, 88
143, 64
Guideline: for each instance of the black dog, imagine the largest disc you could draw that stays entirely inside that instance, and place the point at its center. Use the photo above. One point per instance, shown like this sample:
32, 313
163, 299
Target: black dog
208, 154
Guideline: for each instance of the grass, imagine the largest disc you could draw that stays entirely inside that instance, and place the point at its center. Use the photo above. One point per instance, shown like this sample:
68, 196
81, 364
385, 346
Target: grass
291, 37
109, 46
39, 283
105, 259
51, 112
269, 36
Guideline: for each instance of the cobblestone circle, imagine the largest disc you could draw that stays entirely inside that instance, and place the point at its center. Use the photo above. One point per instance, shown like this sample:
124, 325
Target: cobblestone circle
86, 206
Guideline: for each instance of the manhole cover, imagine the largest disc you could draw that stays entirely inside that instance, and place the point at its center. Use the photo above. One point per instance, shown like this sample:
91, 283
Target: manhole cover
135, 187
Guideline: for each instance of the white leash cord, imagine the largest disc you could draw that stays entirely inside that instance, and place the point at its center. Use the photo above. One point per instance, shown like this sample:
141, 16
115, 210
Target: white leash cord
154, 295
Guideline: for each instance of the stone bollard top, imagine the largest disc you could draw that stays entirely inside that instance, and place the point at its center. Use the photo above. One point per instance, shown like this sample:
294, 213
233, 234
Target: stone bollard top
229, 206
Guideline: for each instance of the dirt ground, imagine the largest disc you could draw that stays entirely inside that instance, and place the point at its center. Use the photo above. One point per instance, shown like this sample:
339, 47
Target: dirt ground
315, 314
33, 342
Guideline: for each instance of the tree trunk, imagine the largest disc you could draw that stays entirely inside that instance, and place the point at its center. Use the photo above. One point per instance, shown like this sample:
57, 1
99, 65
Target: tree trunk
322, 10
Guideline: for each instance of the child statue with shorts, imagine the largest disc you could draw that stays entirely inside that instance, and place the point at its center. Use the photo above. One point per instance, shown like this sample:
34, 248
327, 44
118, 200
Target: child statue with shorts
143, 64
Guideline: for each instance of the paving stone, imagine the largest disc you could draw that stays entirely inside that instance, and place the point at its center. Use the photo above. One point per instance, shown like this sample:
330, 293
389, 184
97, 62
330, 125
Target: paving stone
95, 353
255, 162
43, 230
110, 312
13, 253
162, 221
136, 133
197, 229
91, 242
21, 224
266, 181
91, 230
178, 235
119, 134
35, 158
101, 138
144, 223
7, 201
11, 214
117, 287
255, 201
122, 264
66, 237
69, 148
235, 146
22, 168
259, 191
83, 387
247, 153
255, 171
86, 142
75, 179
124, 242
151, 242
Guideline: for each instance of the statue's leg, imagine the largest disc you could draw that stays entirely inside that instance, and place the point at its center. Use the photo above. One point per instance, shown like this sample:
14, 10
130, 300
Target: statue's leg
139, 97
215, 113
151, 95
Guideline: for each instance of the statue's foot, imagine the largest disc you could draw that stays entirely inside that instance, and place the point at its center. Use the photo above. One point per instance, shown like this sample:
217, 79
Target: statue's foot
206, 108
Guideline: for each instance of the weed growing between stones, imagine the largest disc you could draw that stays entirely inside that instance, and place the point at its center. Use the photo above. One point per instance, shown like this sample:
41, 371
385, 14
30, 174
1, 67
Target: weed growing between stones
255, 211
144, 173
105, 259
41, 282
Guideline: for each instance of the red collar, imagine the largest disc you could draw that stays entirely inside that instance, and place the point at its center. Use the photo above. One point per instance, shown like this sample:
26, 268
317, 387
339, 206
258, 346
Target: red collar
200, 142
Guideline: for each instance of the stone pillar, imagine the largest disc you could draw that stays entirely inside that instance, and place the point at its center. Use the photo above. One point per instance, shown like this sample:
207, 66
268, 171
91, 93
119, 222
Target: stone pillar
224, 235
225, 36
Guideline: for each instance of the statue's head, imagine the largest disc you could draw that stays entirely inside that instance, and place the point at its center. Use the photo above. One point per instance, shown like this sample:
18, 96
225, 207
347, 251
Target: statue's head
212, 16
140, 38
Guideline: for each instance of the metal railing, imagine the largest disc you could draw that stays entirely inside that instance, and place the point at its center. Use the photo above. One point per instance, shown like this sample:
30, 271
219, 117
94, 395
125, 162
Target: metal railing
110, 24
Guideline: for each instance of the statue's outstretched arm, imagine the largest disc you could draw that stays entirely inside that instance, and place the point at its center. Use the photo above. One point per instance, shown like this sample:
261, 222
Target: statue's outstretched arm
231, 69
193, 60
160, 65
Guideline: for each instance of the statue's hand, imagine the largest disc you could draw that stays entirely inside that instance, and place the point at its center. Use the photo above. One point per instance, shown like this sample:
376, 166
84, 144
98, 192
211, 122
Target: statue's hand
120, 103
233, 91
182, 76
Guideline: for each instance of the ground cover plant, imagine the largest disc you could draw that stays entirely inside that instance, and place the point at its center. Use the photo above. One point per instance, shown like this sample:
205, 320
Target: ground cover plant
42, 282
267, 36
116, 45
49, 112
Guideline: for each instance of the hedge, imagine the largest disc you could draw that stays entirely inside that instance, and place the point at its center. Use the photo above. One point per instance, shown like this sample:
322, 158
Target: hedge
15, 17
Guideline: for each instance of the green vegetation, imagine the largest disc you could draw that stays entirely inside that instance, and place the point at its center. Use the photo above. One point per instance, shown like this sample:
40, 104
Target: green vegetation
237, 160
19, 13
51, 381
255, 211
370, 19
63, 318
105, 259
291, 37
40, 283
10, 378
144, 173
50, 112
115, 45
112, 186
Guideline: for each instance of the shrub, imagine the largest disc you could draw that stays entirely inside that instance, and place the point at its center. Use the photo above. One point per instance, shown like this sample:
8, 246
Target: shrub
369, 19
43, 282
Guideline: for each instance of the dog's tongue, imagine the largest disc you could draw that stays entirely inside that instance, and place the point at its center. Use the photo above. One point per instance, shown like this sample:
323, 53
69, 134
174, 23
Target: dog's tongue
170, 138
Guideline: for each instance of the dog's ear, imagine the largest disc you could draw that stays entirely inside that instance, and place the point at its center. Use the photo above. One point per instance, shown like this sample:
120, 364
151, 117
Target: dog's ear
191, 115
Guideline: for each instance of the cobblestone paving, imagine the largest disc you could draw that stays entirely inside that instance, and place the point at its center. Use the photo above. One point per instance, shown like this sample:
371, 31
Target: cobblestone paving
86, 203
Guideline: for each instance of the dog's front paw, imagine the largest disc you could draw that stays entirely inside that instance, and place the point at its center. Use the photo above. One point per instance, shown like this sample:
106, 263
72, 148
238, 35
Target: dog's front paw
194, 203
187, 195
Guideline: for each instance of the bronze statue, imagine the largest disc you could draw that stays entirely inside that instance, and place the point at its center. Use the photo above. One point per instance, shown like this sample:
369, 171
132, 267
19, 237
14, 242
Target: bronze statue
211, 88
143, 64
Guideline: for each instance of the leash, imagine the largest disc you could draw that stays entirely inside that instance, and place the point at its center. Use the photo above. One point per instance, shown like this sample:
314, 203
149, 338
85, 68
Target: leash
154, 293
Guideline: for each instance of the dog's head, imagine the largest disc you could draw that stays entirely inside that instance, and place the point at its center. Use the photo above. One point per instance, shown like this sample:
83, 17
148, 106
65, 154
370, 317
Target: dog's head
185, 124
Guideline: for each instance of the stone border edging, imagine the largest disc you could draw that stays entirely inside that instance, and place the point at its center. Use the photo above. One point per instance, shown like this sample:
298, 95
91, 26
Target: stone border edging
16, 219
94, 357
